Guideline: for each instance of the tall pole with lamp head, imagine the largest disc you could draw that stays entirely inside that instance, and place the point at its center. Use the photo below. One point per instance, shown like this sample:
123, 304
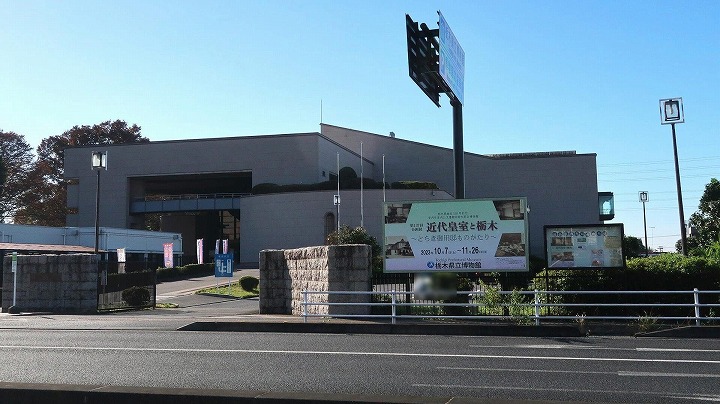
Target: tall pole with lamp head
644, 198
671, 112
99, 162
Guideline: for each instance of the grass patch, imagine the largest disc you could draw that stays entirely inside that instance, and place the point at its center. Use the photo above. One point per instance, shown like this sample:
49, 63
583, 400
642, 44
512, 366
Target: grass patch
234, 291
166, 306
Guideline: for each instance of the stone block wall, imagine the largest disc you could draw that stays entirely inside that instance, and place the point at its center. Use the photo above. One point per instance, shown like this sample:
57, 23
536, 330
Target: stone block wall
53, 283
285, 274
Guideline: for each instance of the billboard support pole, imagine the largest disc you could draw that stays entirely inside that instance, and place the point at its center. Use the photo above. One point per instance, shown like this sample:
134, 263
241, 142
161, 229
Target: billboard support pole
647, 249
683, 232
459, 153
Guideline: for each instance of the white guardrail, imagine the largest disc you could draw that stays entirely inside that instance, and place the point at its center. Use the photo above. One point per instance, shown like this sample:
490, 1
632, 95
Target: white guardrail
540, 302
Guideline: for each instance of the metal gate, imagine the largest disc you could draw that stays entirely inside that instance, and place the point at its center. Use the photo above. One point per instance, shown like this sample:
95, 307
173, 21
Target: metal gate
127, 285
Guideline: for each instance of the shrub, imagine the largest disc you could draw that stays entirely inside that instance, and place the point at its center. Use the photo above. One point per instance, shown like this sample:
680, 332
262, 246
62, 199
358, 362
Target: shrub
136, 296
186, 271
413, 185
249, 283
453, 283
358, 235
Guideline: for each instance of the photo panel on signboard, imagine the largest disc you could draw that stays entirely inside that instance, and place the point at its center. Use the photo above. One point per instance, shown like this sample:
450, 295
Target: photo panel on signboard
584, 246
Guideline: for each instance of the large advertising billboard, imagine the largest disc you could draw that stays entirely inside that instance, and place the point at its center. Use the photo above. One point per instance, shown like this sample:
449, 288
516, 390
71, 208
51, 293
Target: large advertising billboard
585, 246
466, 235
451, 60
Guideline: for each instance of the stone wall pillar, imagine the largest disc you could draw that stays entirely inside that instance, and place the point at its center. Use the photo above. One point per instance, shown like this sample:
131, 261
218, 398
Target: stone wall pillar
285, 274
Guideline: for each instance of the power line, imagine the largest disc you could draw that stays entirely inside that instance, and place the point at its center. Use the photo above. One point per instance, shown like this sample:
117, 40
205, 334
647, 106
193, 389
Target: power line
658, 170
636, 163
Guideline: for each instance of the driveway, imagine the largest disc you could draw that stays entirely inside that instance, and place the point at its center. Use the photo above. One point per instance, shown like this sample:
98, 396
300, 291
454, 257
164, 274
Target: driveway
173, 289
182, 293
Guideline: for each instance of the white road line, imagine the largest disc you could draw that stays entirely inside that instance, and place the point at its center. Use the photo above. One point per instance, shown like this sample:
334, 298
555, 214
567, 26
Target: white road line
677, 350
595, 348
574, 347
618, 373
704, 397
346, 353
523, 370
663, 374
701, 398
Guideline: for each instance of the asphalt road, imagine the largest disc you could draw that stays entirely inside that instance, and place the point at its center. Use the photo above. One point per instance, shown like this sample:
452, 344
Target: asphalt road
599, 369
143, 349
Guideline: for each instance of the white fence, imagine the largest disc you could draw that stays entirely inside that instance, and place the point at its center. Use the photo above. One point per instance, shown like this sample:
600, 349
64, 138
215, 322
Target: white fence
539, 307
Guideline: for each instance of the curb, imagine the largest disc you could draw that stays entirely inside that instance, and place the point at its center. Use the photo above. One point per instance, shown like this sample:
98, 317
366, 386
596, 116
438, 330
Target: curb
685, 332
389, 329
98, 394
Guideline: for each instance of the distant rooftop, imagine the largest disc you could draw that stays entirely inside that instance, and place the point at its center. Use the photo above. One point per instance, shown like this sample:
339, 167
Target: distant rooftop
24, 247
531, 154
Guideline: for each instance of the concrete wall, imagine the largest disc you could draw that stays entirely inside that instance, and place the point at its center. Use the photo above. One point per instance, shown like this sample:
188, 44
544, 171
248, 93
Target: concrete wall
295, 220
54, 283
284, 159
560, 187
285, 274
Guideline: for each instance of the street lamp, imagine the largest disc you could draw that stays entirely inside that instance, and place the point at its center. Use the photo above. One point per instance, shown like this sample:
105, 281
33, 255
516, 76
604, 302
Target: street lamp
652, 236
644, 198
671, 112
99, 162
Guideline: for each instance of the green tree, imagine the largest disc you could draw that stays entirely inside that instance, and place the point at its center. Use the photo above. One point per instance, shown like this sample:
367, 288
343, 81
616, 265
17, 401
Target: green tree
17, 159
3, 174
706, 220
358, 235
45, 204
633, 247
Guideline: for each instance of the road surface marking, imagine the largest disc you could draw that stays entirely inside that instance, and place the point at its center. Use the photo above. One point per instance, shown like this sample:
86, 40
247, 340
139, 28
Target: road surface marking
591, 348
347, 353
664, 374
704, 397
618, 373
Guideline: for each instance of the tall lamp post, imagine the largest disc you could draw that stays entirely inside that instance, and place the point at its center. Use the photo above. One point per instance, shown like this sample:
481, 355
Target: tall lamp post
644, 198
99, 162
671, 112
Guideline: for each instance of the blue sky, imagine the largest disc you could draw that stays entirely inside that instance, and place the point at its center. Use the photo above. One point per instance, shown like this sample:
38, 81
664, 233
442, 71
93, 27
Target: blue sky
540, 76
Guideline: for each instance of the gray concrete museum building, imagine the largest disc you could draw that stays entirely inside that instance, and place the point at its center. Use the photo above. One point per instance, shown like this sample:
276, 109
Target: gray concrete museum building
203, 188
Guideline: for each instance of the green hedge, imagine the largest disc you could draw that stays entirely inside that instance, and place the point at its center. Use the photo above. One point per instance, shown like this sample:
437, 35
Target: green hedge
667, 272
663, 272
186, 271
353, 183
122, 281
413, 185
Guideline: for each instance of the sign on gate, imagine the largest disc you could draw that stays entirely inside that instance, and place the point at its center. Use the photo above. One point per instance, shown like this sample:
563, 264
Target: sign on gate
223, 265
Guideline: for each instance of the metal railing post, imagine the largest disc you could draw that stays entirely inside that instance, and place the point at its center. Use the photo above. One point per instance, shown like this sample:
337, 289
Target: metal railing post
305, 301
696, 297
537, 307
394, 301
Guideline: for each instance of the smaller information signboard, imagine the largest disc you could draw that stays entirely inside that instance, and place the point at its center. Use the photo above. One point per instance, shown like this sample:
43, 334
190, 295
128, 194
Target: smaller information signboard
585, 246
223, 265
